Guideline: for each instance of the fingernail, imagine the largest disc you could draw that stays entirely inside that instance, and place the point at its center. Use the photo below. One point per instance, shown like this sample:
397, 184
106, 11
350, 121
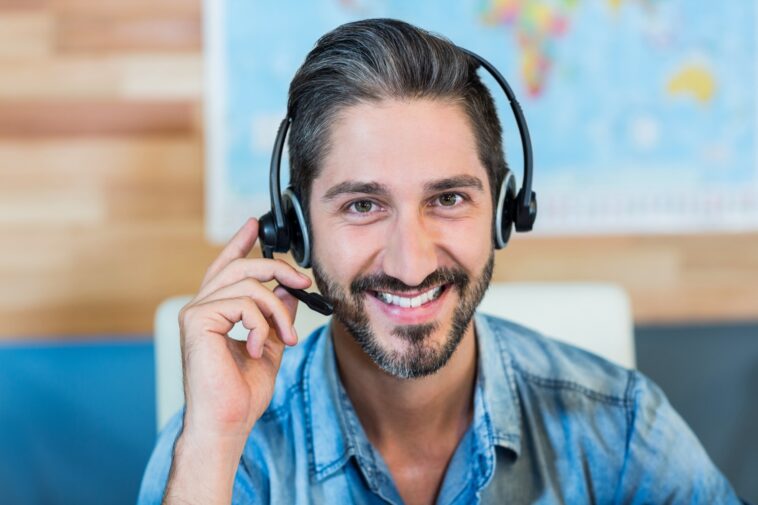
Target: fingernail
294, 334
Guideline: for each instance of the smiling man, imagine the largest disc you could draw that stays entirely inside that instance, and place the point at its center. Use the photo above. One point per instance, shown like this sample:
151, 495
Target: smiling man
406, 396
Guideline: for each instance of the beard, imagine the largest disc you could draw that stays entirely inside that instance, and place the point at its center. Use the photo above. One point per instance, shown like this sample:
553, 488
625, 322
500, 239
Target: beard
420, 356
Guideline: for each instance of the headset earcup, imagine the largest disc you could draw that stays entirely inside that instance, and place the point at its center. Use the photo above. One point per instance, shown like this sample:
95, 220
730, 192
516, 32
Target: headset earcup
504, 210
300, 239
267, 231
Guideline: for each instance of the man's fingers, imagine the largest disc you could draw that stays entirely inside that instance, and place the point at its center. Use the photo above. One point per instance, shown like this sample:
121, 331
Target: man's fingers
267, 303
288, 300
260, 269
219, 316
291, 303
239, 246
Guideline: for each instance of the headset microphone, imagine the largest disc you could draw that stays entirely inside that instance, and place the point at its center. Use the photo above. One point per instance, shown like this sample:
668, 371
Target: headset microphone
313, 300
285, 228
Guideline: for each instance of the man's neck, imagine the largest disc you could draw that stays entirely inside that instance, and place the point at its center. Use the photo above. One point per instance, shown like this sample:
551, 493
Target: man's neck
432, 411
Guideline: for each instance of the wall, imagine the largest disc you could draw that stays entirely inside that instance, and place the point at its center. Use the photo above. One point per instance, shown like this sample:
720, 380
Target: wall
101, 201
101, 185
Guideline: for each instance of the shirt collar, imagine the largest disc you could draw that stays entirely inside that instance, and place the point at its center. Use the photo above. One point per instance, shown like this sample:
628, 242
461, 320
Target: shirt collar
334, 431
499, 414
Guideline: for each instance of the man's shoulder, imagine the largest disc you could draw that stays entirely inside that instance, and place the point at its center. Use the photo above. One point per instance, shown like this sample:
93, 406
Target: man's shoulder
640, 443
546, 362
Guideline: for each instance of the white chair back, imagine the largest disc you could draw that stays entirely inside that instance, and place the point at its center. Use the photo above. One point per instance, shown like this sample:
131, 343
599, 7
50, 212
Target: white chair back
596, 317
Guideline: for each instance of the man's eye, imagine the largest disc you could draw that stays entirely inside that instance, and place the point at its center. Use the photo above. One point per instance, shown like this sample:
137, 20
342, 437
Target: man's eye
449, 199
361, 206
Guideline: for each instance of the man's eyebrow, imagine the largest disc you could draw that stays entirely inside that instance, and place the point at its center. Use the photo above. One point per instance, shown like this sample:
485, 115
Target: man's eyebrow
374, 188
371, 188
459, 181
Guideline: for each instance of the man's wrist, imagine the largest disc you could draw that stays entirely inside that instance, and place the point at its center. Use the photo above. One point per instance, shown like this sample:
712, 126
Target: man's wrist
203, 469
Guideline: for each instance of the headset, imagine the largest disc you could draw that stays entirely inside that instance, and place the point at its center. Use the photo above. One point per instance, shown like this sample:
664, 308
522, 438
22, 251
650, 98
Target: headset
285, 228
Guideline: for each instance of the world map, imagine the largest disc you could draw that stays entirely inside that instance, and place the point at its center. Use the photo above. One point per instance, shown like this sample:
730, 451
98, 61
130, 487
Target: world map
642, 112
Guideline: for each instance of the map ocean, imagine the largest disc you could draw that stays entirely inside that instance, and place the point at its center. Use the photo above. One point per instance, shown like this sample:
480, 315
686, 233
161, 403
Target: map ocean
642, 113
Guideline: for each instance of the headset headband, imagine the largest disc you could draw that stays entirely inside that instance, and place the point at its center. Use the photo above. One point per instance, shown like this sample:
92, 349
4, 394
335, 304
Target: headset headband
526, 212
281, 232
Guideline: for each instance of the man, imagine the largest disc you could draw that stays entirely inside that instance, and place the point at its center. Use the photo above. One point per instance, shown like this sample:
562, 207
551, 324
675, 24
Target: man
407, 396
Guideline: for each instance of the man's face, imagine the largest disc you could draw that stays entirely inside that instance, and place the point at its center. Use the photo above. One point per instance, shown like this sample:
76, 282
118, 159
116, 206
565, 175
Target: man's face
401, 217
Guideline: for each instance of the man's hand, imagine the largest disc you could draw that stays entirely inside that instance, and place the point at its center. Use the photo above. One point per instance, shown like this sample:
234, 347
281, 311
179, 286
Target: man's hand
229, 384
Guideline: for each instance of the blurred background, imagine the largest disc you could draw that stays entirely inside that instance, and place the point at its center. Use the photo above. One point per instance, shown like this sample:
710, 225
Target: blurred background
105, 211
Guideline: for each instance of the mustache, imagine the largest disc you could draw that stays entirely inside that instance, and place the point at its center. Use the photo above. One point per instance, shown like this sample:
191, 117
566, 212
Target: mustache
383, 282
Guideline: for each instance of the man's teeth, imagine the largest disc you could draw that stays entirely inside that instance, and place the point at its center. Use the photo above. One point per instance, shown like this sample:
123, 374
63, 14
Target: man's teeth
404, 301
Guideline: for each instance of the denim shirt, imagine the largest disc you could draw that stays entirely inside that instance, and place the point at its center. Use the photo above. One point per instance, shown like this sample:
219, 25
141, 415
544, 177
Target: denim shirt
551, 424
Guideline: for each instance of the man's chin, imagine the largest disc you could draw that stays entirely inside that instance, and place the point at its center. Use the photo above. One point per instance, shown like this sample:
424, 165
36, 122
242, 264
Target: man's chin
416, 333
402, 337
409, 360
409, 351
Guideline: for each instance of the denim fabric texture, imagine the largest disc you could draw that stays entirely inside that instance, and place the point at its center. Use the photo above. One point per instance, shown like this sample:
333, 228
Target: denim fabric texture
551, 424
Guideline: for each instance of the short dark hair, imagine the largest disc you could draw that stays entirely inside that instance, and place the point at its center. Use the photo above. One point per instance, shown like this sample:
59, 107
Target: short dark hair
377, 59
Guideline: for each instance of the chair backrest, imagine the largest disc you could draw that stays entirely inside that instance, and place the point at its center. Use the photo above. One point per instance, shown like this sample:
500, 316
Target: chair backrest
596, 317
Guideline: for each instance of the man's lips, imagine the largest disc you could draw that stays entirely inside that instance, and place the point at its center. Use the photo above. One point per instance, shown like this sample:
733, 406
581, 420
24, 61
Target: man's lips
406, 300
408, 294
424, 313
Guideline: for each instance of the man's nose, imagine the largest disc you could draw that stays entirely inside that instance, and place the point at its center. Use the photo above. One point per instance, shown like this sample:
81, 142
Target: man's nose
410, 254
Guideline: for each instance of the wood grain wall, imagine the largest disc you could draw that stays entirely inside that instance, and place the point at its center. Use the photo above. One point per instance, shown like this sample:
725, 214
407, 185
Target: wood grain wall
101, 185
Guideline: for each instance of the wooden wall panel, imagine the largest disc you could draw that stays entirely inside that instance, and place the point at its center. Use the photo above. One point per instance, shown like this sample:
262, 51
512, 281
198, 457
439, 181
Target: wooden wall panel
101, 185
77, 118
26, 34
178, 8
97, 231
124, 77
9, 6
119, 31
670, 278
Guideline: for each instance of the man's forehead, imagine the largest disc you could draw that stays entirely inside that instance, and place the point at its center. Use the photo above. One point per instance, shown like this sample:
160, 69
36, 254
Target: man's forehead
421, 142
